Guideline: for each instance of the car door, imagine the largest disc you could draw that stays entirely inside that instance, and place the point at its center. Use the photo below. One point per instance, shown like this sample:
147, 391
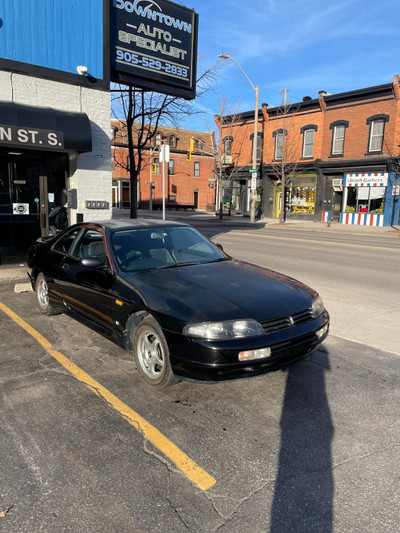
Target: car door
48, 260
88, 291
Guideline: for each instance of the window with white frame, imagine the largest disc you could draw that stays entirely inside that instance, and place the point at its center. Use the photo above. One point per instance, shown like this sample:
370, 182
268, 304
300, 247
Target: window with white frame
172, 141
376, 136
259, 139
171, 167
376, 125
197, 170
308, 140
338, 139
227, 150
156, 162
279, 144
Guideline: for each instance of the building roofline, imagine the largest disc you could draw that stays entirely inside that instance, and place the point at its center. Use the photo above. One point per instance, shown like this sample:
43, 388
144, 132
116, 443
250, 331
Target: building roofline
330, 99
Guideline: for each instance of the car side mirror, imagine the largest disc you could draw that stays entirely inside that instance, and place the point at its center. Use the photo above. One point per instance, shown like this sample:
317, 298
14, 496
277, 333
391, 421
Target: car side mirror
219, 246
92, 262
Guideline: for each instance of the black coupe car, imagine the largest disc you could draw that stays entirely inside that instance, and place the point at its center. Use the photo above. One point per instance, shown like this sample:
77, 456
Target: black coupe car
182, 306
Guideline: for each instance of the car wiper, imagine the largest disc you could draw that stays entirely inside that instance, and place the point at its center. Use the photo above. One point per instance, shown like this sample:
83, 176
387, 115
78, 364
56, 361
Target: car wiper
219, 260
179, 264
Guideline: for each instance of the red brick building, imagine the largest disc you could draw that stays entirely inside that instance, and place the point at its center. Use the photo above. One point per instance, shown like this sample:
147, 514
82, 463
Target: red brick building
187, 183
339, 154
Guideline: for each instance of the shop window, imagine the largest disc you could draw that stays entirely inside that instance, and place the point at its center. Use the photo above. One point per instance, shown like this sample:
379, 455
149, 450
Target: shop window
365, 200
308, 133
197, 170
279, 144
376, 125
338, 133
259, 140
171, 167
300, 195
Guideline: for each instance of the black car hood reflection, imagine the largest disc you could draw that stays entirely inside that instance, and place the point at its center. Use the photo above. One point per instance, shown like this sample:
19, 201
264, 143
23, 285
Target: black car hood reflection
222, 291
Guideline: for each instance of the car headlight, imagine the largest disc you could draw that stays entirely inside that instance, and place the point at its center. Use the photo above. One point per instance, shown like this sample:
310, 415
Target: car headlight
229, 329
318, 307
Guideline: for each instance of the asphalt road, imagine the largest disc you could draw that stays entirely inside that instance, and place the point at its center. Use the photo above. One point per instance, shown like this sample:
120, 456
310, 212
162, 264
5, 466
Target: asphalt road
312, 448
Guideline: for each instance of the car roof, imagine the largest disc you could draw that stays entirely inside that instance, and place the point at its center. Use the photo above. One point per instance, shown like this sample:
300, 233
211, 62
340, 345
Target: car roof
134, 223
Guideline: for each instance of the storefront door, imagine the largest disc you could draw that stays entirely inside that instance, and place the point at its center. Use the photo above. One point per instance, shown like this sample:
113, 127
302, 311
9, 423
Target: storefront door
239, 197
32, 200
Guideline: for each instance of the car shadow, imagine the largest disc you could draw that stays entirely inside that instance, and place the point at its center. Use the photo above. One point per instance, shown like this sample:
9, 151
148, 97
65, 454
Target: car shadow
304, 488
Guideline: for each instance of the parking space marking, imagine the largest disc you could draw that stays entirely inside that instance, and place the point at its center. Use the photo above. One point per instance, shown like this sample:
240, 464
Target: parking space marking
186, 465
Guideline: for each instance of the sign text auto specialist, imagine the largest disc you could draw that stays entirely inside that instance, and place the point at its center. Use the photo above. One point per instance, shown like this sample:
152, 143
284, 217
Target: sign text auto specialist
154, 46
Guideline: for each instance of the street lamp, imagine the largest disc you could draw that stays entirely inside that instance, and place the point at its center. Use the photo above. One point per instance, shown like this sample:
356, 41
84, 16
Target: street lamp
255, 141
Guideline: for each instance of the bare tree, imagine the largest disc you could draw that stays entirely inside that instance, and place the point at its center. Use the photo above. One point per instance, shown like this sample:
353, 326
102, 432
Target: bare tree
287, 146
150, 110
231, 137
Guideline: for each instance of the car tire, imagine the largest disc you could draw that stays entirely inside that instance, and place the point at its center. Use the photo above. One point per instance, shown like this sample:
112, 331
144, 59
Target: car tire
151, 353
42, 296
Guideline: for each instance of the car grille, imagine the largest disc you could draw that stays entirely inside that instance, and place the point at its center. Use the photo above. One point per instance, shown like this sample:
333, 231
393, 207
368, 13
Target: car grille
284, 322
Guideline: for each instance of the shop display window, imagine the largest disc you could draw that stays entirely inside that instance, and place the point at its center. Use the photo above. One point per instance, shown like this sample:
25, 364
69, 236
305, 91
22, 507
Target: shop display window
300, 195
365, 200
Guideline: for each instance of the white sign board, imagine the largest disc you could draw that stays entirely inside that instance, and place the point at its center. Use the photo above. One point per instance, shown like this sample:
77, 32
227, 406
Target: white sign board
164, 153
20, 209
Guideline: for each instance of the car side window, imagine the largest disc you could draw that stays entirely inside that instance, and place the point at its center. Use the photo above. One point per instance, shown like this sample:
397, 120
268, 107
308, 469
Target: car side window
91, 244
64, 244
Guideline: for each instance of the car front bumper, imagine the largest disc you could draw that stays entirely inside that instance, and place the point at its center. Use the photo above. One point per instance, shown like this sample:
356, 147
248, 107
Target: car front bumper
201, 360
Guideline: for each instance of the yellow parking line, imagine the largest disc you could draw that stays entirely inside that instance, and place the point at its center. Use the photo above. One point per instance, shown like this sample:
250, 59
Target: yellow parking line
188, 467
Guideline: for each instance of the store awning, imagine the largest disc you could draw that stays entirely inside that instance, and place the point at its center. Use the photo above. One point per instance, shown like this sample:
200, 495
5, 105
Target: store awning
44, 128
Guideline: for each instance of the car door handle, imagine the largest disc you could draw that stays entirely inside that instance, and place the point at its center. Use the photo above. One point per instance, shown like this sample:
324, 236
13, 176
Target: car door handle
65, 267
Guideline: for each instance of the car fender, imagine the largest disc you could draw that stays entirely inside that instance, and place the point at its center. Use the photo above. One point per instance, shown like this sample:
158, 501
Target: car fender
131, 324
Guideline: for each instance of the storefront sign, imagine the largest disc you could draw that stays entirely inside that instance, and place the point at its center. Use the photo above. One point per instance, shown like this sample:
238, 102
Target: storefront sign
154, 46
377, 179
31, 137
20, 209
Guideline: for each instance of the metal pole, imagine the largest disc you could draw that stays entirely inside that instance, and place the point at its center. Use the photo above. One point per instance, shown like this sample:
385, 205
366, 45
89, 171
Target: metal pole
255, 139
254, 159
163, 181
151, 181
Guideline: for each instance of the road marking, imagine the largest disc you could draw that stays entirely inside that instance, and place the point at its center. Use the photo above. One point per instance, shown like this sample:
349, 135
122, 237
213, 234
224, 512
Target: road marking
188, 467
319, 242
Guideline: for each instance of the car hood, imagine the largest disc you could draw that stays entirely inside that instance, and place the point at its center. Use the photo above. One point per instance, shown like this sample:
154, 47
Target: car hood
222, 291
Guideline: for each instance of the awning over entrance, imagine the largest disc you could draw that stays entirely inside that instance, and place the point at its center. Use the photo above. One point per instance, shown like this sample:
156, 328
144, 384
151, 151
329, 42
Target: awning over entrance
44, 128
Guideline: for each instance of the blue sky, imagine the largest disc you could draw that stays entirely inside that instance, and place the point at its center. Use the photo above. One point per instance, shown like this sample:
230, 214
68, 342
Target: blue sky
303, 46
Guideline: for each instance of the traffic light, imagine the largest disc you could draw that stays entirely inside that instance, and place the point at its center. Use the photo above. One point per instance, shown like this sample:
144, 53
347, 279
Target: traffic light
188, 155
192, 145
154, 168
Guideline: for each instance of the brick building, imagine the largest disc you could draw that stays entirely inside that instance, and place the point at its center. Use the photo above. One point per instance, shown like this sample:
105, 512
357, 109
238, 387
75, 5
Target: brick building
339, 154
187, 183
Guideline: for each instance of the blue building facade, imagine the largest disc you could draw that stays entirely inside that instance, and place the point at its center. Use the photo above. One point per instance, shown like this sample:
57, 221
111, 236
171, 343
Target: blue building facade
55, 109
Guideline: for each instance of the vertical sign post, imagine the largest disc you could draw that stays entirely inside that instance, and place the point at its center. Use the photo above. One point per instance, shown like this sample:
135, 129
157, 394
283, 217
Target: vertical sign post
164, 158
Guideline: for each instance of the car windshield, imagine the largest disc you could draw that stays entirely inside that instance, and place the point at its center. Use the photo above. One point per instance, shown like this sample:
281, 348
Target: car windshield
161, 247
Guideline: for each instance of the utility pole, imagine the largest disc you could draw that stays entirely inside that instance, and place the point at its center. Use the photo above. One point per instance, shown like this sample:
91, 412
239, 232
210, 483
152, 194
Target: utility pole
283, 174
